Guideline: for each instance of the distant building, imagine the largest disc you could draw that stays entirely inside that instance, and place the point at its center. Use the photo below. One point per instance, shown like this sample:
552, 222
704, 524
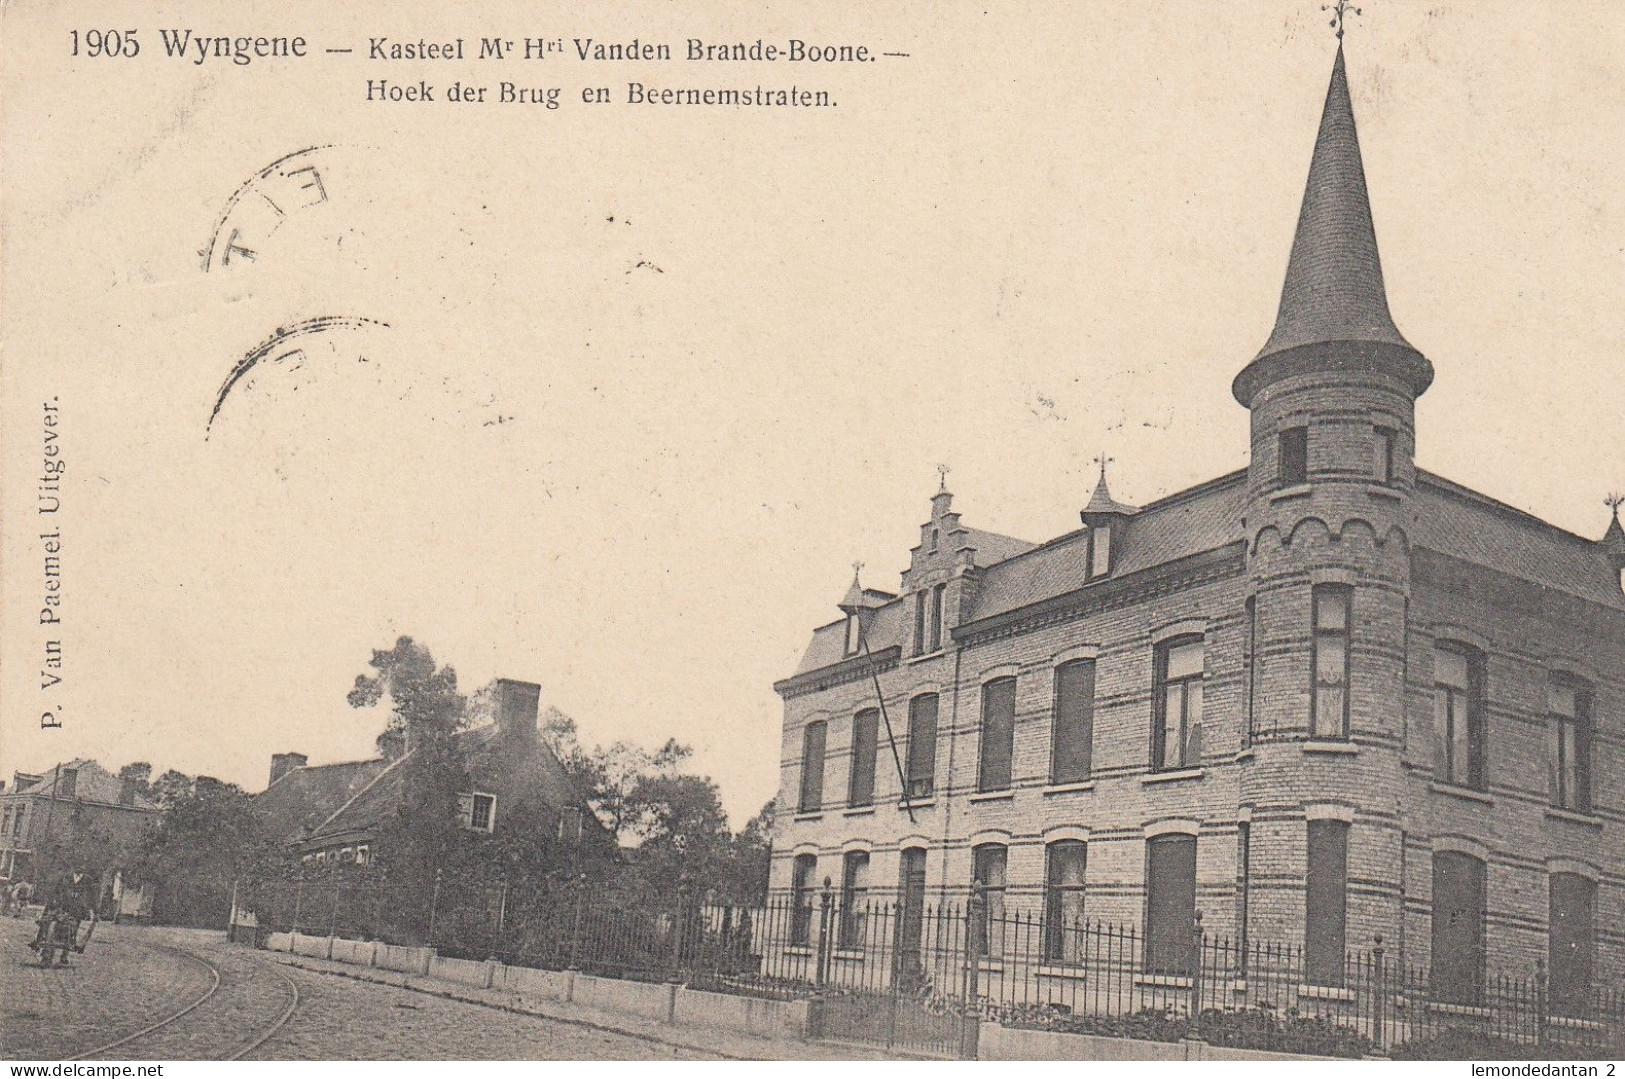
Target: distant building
1323, 700
336, 812
77, 801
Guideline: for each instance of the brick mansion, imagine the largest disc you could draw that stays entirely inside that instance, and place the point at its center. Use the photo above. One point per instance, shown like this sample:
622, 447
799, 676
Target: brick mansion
1329, 700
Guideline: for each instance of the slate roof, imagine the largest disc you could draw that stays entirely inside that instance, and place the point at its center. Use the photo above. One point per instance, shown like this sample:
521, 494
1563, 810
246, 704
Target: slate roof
1458, 521
1334, 288
992, 547
303, 798
95, 784
1450, 519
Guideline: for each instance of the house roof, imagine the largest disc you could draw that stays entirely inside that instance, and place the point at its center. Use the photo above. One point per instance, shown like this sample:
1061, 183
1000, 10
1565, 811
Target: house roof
94, 784
1334, 288
1450, 519
482, 748
303, 798
1458, 521
992, 547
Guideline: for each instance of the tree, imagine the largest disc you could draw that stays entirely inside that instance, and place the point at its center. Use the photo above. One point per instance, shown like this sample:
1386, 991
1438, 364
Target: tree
204, 839
139, 775
171, 788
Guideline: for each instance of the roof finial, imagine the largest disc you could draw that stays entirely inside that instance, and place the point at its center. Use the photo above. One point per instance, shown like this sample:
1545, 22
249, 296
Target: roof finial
942, 478
1613, 502
857, 568
1102, 460
1340, 13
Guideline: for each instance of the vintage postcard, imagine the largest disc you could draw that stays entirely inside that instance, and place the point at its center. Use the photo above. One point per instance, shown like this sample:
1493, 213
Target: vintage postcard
812, 531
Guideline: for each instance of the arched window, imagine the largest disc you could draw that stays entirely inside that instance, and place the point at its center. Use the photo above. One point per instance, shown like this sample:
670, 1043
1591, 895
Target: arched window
1572, 941
865, 742
1569, 742
1176, 729
1170, 904
1071, 741
998, 734
1326, 902
988, 863
801, 898
812, 766
922, 745
1065, 864
1458, 714
1458, 928
854, 898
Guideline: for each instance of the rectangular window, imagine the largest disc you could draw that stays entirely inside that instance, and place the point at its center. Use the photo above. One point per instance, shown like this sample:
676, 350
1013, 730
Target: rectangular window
1176, 729
998, 734
801, 898
1382, 465
1072, 741
854, 898
812, 766
1100, 550
988, 877
1170, 905
1254, 670
1458, 928
1294, 456
1458, 715
865, 743
1325, 906
477, 811
921, 603
1569, 735
922, 745
1065, 864
908, 970
67, 783
935, 626
1329, 707
854, 635
1572, 942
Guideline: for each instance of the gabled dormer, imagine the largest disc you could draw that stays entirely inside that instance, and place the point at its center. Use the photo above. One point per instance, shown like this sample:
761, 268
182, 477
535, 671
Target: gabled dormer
1105, 518
859, 605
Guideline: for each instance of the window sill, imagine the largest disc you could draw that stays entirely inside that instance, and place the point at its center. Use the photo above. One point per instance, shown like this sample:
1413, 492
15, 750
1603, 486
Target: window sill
859, 811
1244, 755
917, 803
848, 955
1382, 490
1164, 981
1075, 974
990, 966
1297, 490
923, 656
1069, 788
1456, 791
809, 815
1173, 776
993, 796
799, 949
1325, 992
1475, 1011
1348, 749
1587, 819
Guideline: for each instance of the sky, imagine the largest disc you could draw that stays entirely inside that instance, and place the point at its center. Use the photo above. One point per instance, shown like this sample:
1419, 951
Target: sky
635, 387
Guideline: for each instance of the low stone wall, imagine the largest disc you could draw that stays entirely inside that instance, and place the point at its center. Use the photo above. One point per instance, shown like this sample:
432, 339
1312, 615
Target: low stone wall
475, 972
279, 942
748, 1015
529, 983
315, 947
652, 1000
1008, 1043
404, 959
359, 952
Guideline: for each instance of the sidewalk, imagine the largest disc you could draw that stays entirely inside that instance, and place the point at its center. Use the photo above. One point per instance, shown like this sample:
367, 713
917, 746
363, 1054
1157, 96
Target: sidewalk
722, 1042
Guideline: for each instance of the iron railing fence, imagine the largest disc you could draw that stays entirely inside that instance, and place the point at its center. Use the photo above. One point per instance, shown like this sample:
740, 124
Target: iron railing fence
1015, 965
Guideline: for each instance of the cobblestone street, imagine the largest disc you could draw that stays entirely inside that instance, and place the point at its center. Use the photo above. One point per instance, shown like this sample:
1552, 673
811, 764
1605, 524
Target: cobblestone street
132, 977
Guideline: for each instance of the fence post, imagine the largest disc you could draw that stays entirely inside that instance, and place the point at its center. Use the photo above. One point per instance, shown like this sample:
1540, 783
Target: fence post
1379, 997
575, 923
678, 927
1196, 976
502, 913
825, 912
978, 935
298, 899
338, 892
434, 905
1540, 1000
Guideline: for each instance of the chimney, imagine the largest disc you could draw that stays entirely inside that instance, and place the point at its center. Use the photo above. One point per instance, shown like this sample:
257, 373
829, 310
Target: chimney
517, 704
283, 763
392, 744
67, 783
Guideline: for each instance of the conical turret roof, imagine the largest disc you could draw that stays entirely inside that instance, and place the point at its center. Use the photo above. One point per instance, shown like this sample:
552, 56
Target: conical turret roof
1334, 289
